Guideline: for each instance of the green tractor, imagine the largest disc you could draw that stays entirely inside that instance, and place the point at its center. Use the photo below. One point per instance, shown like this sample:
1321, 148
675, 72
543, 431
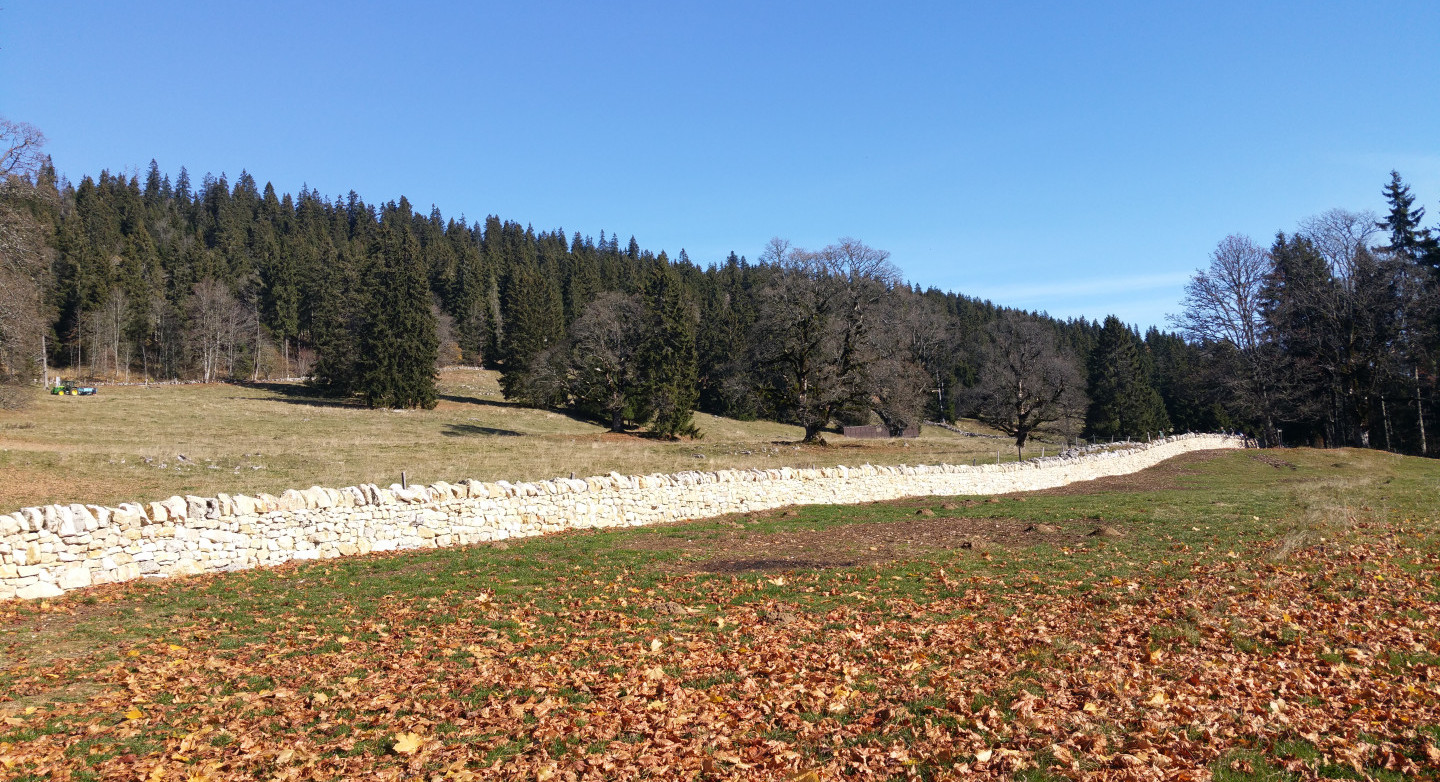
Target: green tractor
71, 388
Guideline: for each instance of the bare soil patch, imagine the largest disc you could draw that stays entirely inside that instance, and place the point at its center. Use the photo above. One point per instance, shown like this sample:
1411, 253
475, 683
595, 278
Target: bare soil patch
738, 550
1277, 463
1162, 477
71, 693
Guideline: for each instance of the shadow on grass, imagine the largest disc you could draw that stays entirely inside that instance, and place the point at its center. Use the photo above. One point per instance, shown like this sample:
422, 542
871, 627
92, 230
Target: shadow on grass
504, 405
471, 430
300, 394
475, 400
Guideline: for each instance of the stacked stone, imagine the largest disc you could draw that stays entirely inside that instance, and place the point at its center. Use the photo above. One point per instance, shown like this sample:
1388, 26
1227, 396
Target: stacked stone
48, 550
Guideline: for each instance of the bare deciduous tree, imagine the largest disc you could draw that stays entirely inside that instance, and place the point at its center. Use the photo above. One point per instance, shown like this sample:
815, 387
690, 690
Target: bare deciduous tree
814, 342
24, 255
1342, 237
1224, 307
1025, 381
900, 387
20, 149
103, 330
1222, 303
24, 263
918, 328
603, 371
217, 328
449, 353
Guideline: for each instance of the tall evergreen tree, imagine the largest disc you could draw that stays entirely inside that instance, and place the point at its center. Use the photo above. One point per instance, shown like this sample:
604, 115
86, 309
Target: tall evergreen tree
534, 325
727, 316
1414, 254
278, 258
335, 320
1408, 239
470, 293
1299, 303
398, 344
667, 357
1123, 400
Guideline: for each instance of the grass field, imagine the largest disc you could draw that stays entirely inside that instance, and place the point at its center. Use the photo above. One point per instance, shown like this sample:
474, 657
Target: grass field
127, 443
1242, 615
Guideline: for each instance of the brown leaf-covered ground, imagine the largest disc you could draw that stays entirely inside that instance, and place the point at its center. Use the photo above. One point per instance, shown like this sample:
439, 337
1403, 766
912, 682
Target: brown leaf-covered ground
1251, 622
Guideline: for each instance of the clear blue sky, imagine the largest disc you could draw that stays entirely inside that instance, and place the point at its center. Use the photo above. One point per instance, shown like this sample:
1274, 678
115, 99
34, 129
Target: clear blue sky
1048, 156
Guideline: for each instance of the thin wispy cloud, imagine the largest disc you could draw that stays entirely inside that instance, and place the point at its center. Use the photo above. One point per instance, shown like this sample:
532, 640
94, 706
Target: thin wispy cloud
1088, 287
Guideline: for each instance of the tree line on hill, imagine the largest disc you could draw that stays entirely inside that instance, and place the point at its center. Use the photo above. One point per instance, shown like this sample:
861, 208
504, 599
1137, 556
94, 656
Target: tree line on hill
148, 277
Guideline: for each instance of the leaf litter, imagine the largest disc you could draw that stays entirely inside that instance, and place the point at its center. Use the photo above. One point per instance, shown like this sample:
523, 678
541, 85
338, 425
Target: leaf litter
1324, 663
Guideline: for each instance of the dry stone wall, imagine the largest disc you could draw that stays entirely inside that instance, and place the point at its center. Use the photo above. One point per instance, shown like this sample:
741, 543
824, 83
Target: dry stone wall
48, 550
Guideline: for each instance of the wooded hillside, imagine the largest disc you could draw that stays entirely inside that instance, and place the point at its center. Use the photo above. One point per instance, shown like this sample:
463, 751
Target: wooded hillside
1329, 336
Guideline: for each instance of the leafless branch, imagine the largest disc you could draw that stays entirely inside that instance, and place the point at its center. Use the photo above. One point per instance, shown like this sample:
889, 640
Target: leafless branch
22, 144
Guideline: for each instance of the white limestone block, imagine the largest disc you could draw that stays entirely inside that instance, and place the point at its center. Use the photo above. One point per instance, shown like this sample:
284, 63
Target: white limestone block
38, 590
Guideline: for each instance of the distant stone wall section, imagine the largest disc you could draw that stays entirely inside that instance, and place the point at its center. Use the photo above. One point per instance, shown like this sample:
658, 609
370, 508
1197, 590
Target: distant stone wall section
52, 549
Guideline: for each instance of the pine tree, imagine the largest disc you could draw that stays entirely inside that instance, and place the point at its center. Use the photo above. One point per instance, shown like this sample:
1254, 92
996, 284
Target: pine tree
534, 324
471, 289
1123, 399
154, 186
1408, 240
398, 344
334, 321
278, 258
1301, 304
667, 357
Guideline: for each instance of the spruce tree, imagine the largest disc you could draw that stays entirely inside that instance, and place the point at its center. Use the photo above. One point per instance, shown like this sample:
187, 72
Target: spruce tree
469, 295
667, 357
332, 322
727, 318
398, 344
534, 324
1408, 241
143, 283
1123, 399
1300, 303
154, 186
182, 187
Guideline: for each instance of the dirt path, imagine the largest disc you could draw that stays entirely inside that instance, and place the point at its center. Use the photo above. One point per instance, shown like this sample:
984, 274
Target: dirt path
1165, 476
731, 545
740, 550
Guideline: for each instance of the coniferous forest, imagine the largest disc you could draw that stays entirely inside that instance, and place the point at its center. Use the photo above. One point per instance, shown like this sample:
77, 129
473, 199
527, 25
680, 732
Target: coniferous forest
1327, 336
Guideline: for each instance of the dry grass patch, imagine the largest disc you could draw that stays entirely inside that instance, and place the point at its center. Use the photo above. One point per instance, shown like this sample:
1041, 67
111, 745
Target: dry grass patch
133, 443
